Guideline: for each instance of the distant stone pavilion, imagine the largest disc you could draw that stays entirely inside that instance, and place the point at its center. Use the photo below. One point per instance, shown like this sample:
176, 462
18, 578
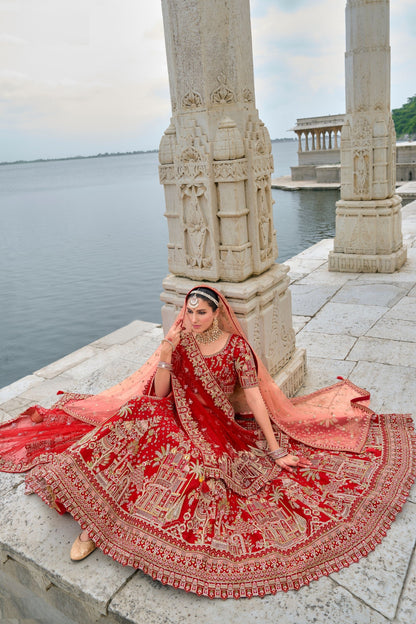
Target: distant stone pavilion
319, 154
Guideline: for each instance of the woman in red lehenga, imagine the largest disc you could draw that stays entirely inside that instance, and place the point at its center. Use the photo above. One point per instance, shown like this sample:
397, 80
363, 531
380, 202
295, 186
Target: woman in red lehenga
199, 471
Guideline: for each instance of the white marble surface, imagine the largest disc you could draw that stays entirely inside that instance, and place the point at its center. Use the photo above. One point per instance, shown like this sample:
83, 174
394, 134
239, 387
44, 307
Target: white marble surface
323, 602
330, 346
35, 534
375, 294
299, 322
321, 372
396, 352
391, 328
346, 318
373, 345
125, 334
307, 299
16, 388
392, 388
405, 310
378, 579
67, 362
406, 609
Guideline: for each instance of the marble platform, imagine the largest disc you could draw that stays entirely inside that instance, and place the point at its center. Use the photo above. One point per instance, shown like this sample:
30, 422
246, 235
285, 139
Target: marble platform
360, 326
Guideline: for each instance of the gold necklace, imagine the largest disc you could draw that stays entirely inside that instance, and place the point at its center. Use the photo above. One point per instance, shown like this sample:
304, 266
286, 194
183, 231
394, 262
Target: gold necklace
210, 335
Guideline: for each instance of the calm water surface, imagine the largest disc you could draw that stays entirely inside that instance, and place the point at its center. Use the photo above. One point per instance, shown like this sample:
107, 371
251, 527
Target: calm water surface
83, 249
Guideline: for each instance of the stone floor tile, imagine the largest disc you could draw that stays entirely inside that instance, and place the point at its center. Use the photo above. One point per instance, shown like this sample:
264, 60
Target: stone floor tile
107, 374
322, 602
378, 579
68, 361
296, 276
307, 299
394, 352
403, 279
21, 606
394, 329
347, 319
141, 348
319, 345
13, 390
14, 407
45, 393
412, 495
318, 251
405, 309
322, 372
392, 389
124, 334
4, 416
379, 294
302, 266
94, 365
407, 607
32, 532
321, 275
299, 322
412, 293
8, 483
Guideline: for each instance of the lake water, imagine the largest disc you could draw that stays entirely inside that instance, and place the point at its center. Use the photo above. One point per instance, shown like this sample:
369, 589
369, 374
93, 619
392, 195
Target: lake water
83, 249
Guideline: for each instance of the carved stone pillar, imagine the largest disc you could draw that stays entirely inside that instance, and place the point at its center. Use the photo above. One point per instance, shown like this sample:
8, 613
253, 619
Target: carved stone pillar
368, 216
216, 165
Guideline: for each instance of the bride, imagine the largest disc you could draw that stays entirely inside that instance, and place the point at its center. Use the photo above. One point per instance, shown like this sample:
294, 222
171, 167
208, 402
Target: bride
199, 471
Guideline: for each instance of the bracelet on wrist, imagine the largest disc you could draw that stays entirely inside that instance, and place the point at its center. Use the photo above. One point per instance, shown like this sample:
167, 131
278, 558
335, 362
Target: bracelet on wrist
165, 365
277, 454
169, 343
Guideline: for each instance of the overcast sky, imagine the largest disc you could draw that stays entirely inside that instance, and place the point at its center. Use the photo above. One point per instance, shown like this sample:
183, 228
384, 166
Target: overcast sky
79, 77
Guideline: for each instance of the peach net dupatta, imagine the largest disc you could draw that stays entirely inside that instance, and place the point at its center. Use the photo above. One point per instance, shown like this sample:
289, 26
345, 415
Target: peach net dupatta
336, 418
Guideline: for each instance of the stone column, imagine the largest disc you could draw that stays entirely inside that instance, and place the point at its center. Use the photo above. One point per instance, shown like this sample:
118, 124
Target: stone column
368, 216
215, 165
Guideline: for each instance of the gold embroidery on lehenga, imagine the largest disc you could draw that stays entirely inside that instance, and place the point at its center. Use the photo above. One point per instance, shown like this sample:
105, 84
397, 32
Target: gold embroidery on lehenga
163, 498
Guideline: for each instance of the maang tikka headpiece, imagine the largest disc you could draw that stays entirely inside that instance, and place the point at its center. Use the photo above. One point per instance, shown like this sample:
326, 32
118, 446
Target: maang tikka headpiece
193, 301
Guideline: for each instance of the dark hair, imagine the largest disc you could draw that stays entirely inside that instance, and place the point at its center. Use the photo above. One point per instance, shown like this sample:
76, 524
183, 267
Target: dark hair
207, 295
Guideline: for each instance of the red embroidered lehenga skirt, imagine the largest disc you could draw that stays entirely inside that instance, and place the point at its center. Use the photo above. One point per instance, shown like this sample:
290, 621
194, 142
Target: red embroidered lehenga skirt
180, 489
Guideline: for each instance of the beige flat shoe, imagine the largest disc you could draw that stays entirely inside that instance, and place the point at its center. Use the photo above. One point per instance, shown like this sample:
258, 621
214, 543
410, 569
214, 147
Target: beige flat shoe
80, 550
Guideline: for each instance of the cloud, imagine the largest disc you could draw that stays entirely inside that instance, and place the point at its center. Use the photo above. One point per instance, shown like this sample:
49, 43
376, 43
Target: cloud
298, 61
88, 67
6, 39
96, 69
93, 107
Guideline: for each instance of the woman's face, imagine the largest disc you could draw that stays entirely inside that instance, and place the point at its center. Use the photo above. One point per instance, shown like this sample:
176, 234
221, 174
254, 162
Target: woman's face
201, 316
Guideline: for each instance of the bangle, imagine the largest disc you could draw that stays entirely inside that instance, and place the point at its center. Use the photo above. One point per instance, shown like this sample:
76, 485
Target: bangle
169, 343
278, 454
164, 365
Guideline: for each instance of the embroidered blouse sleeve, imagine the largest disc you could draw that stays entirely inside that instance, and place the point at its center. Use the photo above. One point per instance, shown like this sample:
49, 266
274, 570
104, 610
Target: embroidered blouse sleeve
244, 364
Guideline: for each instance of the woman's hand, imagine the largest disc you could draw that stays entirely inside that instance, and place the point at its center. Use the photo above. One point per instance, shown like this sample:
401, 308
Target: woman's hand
288, 462
171, 341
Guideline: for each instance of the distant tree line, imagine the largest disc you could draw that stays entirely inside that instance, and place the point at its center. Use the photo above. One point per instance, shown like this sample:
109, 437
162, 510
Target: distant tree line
405, 119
